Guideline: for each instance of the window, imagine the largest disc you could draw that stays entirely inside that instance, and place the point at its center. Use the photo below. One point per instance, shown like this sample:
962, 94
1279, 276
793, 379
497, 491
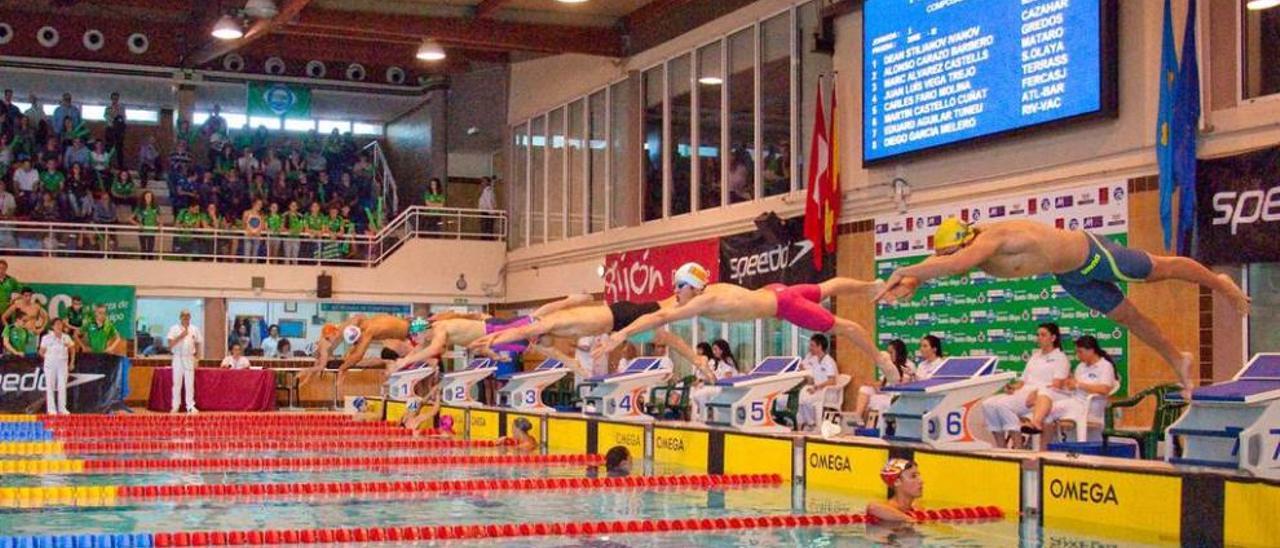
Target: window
360, 128
1261, 55
597, 156
519, 185
679, 74
811, 64
198, 118
327, 126
651, 153
140, 115
93, 113
776, 336
537, 186
154, 318
622, 156
555, 175
684, 330
742, 127
256, 122
292, 124
1264, 321
710, 94
576, 151
709, 331
742, 339
775, 103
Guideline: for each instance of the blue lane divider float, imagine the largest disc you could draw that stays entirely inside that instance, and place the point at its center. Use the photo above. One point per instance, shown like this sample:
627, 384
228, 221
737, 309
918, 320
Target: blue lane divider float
101, 540
24, 431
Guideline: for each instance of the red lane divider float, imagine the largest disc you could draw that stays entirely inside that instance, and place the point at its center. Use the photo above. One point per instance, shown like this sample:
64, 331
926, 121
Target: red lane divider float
509, 530
256, 464
257, 490
314, 444
209, 419
245, 431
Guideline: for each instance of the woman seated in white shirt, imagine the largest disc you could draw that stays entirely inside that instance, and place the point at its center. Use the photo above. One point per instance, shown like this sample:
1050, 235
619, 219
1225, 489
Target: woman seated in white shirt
715, 362
1094, 376
871, 397
931, 357
236, 359
1046, 366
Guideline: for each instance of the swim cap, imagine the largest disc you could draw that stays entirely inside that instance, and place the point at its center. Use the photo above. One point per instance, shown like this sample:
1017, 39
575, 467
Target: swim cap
523, 424
359, 403
692, 275
952, 232
329, 331
414, 404
893, 470
351, 334
446, 424
418, 325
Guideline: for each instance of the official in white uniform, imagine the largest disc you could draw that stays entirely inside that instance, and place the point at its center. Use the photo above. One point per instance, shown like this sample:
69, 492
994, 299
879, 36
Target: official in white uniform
1046, 368
1095, 375
716, 363
871, 396
185, 342
824, 374
931, 357
236, 359
57, 348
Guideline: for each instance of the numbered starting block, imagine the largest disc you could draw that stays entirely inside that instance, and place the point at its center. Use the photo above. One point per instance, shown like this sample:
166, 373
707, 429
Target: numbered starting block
524, 390
940, 411
456, 387
402, 383
621, 395
745, 402
1235, 424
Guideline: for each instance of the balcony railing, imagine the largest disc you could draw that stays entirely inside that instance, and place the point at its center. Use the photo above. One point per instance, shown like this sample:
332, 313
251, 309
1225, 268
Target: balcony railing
215, 245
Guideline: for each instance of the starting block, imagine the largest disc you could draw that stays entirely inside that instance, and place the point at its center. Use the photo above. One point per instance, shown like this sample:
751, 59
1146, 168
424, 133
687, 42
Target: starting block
621, 395
524, 390
940, 411
456, 386
1236, 424
745, 402
401, 384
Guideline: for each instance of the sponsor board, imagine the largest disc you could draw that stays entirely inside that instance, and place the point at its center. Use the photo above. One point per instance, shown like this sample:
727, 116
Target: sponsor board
1251, 514
483, 424
757, 455
567, 435
755, 259
687, 448
1149, 504
395, 410
535, 420
847, 468
645, 275
610, 434
119, 301
1238, 208
96, 385
948, 481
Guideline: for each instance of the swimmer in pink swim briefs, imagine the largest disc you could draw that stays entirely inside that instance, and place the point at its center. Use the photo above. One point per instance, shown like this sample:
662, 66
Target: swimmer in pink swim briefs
799, 304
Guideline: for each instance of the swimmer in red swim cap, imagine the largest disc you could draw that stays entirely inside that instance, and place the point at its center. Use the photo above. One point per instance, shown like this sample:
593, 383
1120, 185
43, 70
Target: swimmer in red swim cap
905, 488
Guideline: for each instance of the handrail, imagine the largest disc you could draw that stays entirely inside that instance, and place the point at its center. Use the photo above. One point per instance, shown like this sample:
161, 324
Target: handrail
383, 176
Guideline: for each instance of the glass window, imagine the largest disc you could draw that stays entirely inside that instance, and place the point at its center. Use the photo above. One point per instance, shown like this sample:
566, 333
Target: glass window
154, 318
257, 121
742, 339
327, 126
49, 109
679, 71
291, 124
1264, 321
237, 121
775, 103
776, 337
360, 128
684, 330
710, 93
1261, 55
555, 175
597, 152
577, 167
537, 167
518, 186
96, 113
652, 148
198, 118
742, 127
811, 65
143, 115
622, 150
709, 331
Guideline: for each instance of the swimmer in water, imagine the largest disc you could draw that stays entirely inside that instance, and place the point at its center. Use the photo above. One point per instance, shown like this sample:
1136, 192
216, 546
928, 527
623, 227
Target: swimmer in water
800, 305
1087, 266
905, 488
520, 439
420, 413
617, 462
358, 332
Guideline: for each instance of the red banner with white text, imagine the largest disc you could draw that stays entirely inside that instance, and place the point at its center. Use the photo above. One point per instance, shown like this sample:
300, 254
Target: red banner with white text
644, 275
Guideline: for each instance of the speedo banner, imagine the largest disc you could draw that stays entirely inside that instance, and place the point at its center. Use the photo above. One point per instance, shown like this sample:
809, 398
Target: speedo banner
776, 253
96, 385
979, 315
646, 275
1238, 208
118, 299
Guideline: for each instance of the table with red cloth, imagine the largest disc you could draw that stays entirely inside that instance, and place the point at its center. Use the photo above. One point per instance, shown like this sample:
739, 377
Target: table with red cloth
219, 389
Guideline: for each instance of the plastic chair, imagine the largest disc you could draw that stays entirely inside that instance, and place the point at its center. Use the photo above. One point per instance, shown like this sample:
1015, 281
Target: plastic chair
833, 399
787, 416
660, 404
1166, 413
1094, 418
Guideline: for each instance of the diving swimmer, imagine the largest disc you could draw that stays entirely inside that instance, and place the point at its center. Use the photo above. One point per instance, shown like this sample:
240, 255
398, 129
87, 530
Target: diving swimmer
359, 332
1087, 266
580, 316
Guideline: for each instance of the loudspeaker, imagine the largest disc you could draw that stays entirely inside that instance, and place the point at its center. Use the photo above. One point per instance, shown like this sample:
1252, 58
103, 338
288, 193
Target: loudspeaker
324, 286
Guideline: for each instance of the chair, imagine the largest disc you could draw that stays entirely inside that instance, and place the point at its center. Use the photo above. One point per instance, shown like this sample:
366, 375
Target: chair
787, 416
1167, 411
660, 406
1094, 419
833, 399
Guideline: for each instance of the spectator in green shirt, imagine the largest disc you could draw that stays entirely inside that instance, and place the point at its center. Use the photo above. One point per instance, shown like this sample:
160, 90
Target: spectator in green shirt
8, 285
317, 228
296, 225
99, 336
123, 186
19, 337
51, 180
275, 230
74, 314
347, 230
147, 216
189, 218
433, 197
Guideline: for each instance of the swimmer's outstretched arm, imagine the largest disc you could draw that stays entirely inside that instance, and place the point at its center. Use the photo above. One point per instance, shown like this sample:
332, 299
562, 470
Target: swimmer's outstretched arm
552, 352
355, 354
570, 301
682, 348
886, 512
439, 339
455, 315
523, 333
653, 320
323, 346
957, 263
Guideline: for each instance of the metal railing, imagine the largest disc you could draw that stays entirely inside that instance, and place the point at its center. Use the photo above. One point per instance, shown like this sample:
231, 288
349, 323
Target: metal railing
383, 179
116, 241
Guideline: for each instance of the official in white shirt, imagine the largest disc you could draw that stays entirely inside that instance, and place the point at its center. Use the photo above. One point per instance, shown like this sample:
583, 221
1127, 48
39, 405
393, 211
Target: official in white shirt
1045, 368
236, 359
822, 369
271, 344
1094, 376
185, 342
57, 348
931, 357
715, 363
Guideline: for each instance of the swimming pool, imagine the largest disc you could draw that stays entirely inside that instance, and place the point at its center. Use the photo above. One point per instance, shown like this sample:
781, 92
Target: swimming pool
482, 499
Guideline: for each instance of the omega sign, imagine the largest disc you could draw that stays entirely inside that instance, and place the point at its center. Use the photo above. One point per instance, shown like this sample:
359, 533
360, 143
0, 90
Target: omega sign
1083, 491
835, 463
669, 444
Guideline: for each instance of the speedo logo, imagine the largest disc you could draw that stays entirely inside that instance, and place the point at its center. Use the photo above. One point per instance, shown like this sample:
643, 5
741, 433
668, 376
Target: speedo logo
779, 258
1246, 208
1084, 491
35, 381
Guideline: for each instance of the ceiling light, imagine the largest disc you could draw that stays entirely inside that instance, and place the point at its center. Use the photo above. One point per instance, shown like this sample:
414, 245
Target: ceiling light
710, 80
572, 1
1257, 5
227, 28
430, 50
260, 9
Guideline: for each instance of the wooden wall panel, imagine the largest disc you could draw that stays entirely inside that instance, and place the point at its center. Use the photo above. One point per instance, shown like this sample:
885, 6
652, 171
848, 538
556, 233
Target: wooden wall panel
855, 258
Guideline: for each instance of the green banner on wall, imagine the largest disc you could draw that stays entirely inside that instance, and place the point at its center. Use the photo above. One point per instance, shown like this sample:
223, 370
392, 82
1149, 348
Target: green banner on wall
270, 99
119, 299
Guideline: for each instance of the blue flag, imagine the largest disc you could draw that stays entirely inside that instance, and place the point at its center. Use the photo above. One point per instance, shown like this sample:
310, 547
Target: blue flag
1183, 132
1164, 156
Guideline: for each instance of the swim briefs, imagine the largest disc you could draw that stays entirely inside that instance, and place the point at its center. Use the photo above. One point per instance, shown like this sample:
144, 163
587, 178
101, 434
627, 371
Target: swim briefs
802, 306
1094, 284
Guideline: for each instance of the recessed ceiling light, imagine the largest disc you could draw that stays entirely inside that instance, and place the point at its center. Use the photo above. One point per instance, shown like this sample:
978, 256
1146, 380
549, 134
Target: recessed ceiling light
710, 80
430, 50
227, 28
572, 1
1257, 5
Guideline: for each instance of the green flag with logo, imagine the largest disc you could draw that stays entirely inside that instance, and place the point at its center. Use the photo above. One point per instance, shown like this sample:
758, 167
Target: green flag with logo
119, 300
271, 99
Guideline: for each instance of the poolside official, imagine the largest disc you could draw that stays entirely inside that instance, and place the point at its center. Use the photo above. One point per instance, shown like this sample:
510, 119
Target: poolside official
185, 342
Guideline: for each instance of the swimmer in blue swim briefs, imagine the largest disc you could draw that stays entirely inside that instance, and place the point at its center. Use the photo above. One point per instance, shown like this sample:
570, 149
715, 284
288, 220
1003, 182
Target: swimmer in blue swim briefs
1089, 268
